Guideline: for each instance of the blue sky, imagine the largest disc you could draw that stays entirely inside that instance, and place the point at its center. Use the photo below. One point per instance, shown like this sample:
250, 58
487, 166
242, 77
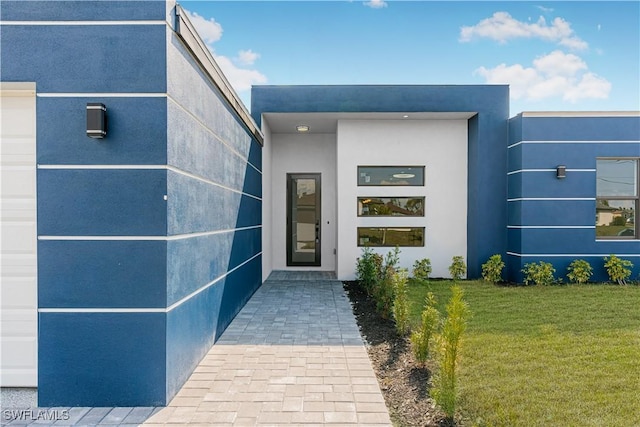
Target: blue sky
556, 56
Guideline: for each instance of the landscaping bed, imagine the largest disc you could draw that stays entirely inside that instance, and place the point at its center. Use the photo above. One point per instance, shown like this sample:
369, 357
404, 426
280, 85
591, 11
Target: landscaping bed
402, 381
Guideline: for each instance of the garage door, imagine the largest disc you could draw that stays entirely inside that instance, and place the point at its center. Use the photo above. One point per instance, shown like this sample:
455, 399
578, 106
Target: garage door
18, 237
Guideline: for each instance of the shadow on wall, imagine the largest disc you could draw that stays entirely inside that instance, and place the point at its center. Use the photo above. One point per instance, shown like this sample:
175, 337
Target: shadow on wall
245, 260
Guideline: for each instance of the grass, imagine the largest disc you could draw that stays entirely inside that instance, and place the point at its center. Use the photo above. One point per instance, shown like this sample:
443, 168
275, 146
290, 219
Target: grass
546, 356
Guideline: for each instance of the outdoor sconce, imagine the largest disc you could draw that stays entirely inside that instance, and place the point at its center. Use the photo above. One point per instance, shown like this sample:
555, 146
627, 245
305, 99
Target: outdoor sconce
96, 120
561, 171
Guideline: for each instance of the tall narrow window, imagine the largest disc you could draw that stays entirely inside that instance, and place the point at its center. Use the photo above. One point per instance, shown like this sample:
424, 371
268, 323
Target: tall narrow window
617, 198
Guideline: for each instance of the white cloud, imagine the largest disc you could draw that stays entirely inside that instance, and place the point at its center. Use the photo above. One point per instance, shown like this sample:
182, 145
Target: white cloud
554, 75
503, 27
208, 29
545, 9
247, 57
376, 4
559, 63
240, 78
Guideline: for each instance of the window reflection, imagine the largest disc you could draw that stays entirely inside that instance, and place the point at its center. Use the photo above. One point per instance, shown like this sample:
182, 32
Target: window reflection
617, 198
390, 206
390, 236
390, 175
615, 218
617, 177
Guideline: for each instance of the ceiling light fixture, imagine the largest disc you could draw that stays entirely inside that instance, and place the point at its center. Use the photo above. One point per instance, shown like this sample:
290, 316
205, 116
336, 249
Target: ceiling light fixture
302, 128
406, 116
404, 175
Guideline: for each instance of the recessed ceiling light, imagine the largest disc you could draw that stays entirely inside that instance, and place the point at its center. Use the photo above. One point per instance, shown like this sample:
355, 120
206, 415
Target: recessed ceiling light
406, 116
302, 128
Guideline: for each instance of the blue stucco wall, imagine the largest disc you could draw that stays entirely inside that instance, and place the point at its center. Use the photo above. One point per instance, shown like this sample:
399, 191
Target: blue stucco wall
487, 152
214, 210
149, 240
552, 219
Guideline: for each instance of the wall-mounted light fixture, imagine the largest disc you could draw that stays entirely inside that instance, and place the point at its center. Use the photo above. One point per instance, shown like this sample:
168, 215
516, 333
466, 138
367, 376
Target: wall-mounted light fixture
96, 120
302, 128
561, 171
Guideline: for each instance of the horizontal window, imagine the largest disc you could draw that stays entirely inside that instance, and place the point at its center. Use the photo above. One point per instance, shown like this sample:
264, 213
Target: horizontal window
390, 236
390, 206
617, 201
617, 177
390, 175
615, 218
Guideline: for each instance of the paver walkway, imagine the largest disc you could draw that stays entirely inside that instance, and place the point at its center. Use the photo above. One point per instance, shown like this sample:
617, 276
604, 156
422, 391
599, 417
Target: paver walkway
293, 355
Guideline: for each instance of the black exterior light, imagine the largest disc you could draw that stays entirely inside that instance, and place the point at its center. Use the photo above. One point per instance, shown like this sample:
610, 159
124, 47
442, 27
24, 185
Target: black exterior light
96, 120
561, 171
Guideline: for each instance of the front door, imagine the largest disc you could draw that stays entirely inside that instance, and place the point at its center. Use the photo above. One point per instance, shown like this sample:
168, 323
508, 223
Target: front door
303, 219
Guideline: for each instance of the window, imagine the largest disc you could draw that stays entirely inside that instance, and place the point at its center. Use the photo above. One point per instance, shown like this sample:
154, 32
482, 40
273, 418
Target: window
390, 175
390, 206
617, 198
390, 236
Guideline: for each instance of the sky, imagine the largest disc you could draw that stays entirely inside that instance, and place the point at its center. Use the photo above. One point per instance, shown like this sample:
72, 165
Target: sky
556, 56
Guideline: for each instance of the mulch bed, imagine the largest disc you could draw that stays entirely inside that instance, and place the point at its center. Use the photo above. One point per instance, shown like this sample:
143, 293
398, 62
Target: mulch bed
402, 380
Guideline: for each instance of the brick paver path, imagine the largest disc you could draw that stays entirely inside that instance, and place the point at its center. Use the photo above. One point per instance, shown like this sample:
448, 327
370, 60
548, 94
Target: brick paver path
293, 355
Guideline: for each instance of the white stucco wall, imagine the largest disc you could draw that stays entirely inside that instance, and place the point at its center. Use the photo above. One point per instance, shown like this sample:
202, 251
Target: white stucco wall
267, 203
439, 145
300, 153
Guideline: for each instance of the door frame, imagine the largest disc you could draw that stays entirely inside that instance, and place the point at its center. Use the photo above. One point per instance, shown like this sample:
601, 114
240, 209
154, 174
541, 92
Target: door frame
318, 246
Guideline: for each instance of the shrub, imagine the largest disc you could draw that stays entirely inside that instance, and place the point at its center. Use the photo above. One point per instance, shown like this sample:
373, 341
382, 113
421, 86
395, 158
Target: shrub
539, 273
617, 269
492, 269
579, 271
457, 269
445, 381
384, 290
421, 339
422, 269
401, 301
368, 269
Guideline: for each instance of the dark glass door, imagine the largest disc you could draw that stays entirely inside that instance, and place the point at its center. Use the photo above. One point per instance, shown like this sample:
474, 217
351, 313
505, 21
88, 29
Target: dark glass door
303, 219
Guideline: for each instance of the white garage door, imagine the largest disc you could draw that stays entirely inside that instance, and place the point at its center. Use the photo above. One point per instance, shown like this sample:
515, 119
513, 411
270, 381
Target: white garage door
18, 236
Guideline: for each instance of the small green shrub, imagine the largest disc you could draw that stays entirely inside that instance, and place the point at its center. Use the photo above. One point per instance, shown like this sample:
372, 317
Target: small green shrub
384, 291
618, 269
430, 320
458, 268
444, 389
579, 271
368, 269
492, 269
422, 269
401, 301
540, 273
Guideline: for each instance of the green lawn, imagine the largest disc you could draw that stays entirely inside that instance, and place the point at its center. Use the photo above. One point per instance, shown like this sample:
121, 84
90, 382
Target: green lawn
547, 356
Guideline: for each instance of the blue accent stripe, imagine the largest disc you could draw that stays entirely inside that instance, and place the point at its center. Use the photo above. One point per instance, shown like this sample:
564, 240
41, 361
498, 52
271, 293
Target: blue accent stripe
104, 359
102, 202
83, 10
81, 274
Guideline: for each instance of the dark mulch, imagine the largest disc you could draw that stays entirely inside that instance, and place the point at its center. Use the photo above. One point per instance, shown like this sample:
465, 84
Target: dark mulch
402, 380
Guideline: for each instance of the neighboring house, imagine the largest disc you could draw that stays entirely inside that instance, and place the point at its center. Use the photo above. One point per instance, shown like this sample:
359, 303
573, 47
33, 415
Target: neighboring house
125, 257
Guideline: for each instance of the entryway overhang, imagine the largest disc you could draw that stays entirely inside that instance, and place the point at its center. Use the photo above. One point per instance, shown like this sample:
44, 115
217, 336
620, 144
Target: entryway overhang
321, 122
